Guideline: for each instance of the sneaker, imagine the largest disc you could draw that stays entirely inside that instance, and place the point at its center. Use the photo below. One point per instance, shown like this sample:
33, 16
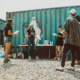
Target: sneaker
9, 60
55, 58
6, 62
29, 58
79, 61
37, 57
70, 68
59, 58
76, 62
60, 68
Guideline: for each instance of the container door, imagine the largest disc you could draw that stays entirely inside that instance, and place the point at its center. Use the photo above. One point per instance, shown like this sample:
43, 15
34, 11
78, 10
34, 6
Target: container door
1, 37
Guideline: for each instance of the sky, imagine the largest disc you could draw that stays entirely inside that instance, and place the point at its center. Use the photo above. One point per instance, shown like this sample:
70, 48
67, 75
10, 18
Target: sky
21, 5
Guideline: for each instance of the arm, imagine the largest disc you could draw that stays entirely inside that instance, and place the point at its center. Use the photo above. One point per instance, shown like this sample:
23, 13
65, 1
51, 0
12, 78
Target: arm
27, 35
9, 33
3, 33
63, 35
35, 36
78, 24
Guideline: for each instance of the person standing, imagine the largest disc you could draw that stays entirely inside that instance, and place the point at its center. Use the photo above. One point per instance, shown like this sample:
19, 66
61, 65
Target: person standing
7, 33
72, 30
59, 42
77, 61
31, 40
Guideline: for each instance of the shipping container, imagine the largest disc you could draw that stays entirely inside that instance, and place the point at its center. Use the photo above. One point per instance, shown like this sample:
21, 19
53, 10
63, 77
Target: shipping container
48, 18
1, 37
2, 25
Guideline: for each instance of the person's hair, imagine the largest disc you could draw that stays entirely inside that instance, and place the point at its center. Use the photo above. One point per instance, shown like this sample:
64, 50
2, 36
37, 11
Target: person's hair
59, 26
78, 17
8, 22
30, 28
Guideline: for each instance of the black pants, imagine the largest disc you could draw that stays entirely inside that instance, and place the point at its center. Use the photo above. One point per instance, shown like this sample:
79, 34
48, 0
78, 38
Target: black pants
77, 50
65, 50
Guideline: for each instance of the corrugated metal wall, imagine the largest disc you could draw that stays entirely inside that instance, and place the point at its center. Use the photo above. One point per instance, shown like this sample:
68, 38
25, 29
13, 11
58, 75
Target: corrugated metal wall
48, 18
1, 37
2, 25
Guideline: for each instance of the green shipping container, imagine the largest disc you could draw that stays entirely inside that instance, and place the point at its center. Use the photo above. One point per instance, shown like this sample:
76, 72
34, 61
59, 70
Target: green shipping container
2, 25
48, 18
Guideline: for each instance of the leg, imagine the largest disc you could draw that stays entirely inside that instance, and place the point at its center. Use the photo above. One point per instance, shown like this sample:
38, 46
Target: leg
78, 55
65, 50
29, 47
5, 50
56, 50
73, 58
33, 43
73, 55
60, 48
7, 45
77, 52
49, 52
34, 47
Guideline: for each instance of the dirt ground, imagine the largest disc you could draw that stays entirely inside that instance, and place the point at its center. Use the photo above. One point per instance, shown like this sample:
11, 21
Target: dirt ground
43, 69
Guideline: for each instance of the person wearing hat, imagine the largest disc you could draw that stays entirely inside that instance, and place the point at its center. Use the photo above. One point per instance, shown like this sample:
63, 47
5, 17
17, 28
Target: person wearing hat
72, 30
7, 33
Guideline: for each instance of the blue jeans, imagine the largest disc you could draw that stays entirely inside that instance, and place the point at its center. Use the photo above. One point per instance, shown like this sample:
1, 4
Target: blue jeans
31, 41
7, 39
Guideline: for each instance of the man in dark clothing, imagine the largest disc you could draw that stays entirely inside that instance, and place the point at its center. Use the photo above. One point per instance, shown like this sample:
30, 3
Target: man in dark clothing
72, 40
78, 50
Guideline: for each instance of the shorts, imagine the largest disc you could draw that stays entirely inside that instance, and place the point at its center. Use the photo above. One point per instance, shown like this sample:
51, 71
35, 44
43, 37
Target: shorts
7, 39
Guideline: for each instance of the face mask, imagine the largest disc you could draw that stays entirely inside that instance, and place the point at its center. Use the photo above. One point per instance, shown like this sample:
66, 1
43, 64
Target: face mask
31, 26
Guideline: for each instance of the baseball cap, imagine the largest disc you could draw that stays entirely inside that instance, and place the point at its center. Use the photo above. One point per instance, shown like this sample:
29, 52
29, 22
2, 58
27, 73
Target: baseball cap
72, 11
10, 20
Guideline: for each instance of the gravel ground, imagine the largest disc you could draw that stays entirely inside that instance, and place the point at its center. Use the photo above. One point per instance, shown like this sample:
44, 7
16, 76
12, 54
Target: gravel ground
22, 69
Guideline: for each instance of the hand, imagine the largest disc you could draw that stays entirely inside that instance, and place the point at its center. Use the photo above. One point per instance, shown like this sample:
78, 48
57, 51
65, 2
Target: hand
58, 35
35, 36
15, 34
28, 36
